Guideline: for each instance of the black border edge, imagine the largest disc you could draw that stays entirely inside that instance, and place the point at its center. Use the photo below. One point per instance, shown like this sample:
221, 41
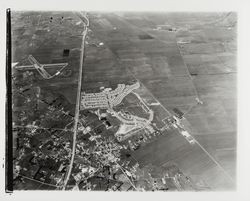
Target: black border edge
8, 109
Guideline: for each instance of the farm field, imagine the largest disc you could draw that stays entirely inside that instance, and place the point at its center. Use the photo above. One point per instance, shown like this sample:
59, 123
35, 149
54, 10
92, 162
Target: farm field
181, 58
145, 101
43, 108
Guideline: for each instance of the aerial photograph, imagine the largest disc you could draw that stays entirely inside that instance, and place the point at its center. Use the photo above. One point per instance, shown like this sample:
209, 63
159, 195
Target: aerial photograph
124, 101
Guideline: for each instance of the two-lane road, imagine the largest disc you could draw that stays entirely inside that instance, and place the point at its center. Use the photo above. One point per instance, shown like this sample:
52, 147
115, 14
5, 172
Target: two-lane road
78, 99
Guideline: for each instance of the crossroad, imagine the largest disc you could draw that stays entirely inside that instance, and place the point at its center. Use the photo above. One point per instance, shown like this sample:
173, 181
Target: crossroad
41, 67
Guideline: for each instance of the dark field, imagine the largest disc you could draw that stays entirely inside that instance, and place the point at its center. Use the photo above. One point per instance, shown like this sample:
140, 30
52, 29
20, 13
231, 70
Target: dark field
43, 35
211, 59
195, 57
51, 37
176, 58
193, 161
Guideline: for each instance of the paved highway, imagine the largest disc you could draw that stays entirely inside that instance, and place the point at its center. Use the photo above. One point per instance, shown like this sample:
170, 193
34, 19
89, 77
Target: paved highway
78, 98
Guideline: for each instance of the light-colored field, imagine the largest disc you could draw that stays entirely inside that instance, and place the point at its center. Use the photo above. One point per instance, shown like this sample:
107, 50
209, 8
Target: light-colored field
176, 67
